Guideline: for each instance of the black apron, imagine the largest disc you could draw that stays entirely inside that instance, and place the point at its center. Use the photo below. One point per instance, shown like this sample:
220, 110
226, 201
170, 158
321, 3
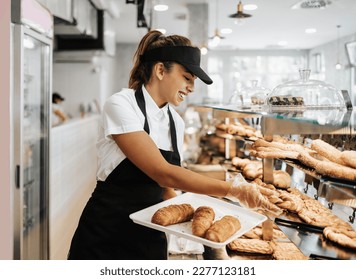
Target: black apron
105, 231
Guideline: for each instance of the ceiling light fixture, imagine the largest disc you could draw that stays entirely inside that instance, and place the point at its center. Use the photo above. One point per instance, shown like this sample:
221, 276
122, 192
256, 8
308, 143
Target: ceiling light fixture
217, 37
250, 7
310, 30
240, 14
160, 7
338, 66
282, 43
203, 50
226, 30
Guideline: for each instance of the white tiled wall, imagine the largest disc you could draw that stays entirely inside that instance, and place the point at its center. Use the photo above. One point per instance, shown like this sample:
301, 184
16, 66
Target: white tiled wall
73, 178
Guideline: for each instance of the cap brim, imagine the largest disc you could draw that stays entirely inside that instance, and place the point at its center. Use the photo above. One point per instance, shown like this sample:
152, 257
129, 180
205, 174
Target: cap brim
197, 71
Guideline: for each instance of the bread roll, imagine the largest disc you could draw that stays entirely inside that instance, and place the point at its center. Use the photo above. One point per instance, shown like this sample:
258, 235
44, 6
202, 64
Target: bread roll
173, 214
281, 179
240, 162
203, 218
349, 158
223, 229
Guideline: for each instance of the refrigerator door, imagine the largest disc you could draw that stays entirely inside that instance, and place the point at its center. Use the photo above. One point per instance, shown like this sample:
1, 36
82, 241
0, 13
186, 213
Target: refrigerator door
32, 64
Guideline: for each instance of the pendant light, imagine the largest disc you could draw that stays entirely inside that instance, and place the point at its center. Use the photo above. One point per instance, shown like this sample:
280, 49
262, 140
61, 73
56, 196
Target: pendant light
338, 66
216, 37
240, 14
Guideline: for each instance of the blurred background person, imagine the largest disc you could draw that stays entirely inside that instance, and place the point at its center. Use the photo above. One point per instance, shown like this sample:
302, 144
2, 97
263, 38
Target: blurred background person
58, 114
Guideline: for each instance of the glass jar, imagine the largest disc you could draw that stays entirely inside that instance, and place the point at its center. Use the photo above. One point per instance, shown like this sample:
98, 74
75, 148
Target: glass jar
249, 96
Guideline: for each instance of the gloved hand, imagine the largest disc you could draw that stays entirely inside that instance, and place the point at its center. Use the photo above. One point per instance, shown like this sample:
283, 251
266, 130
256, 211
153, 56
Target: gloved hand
249, 196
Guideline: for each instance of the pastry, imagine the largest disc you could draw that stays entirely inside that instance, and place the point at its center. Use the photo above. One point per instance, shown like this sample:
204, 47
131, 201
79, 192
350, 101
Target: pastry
223, 229
342, 236
290, 202
251, 246
287, 251
173, 214
203, 218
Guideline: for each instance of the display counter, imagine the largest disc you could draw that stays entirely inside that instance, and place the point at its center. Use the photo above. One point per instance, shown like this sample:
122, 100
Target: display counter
336, 126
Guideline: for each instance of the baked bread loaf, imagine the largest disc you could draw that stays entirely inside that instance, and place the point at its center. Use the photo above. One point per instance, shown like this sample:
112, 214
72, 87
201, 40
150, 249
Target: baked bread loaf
349, 158
270, 152
203, 218
223, 229
240, 162
328, 168
327, 151
253, 170
281, 179
173, 214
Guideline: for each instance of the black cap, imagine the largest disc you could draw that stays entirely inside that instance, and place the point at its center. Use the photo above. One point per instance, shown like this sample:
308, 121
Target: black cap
57, 96
187, 56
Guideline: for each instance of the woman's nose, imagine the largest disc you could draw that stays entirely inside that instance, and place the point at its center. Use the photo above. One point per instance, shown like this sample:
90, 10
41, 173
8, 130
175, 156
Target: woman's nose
190, 88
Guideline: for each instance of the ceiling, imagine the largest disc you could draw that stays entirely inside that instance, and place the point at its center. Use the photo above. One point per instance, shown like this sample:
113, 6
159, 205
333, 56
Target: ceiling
272, 22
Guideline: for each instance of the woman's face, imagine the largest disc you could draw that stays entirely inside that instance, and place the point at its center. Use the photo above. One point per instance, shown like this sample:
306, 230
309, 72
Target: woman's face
177, 84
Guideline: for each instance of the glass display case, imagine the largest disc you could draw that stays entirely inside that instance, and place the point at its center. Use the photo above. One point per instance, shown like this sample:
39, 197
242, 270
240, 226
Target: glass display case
305, 94
253, 95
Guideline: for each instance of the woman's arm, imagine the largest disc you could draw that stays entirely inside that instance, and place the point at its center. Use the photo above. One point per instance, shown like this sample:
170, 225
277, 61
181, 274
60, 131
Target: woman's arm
143, 152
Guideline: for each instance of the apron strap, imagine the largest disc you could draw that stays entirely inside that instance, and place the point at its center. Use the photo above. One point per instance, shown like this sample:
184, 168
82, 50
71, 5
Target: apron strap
141, 103
173, 131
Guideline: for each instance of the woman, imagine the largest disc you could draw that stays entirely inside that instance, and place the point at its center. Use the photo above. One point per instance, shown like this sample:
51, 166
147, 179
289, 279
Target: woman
139, 158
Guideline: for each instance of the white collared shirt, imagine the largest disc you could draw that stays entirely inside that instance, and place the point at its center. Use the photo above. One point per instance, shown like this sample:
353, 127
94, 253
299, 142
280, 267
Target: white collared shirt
121, 114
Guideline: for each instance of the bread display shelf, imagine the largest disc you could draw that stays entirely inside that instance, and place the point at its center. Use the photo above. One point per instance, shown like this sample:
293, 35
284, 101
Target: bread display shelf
312, 122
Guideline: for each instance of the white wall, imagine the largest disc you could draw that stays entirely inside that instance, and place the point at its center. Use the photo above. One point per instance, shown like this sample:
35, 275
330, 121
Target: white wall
6, 233
341, 79
82, 82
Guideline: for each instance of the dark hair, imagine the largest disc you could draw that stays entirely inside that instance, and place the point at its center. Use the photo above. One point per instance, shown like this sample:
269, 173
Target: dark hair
141, 71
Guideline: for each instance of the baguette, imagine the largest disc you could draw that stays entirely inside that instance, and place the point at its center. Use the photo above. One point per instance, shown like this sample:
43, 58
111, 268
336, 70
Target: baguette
203, 218
173, 214
223, 229
328, 168
327, 151
349, 158
270, 152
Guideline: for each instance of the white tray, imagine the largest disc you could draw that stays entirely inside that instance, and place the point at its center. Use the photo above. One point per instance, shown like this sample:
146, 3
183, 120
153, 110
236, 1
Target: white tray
248, 218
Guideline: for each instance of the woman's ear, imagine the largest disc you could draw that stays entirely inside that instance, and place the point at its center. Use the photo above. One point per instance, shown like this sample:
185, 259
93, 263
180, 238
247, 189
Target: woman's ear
159, 70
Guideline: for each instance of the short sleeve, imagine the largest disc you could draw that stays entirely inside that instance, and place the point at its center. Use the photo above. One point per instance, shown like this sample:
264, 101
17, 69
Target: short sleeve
121, 115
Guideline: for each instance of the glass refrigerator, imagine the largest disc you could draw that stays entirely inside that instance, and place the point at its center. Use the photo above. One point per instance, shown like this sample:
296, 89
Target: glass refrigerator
31, 74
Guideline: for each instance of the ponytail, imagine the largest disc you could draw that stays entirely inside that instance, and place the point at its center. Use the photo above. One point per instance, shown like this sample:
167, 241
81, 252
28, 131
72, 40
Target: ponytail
141, 71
